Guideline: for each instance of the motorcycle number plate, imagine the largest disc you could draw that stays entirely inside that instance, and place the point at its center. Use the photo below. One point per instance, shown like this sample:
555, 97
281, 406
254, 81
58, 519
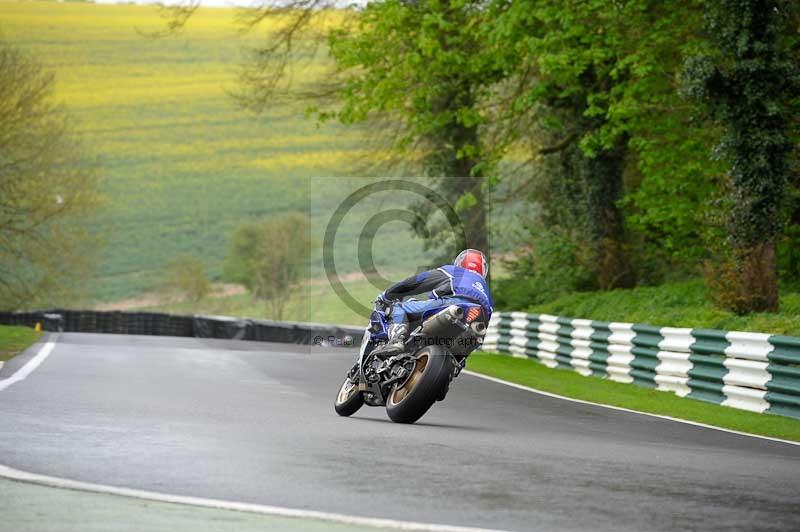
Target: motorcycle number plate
362, 387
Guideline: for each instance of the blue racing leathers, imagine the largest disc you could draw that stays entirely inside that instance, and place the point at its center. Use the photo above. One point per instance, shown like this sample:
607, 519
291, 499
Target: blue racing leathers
445, 286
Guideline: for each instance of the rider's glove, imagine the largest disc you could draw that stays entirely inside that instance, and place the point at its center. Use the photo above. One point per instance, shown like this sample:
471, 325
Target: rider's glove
382, 304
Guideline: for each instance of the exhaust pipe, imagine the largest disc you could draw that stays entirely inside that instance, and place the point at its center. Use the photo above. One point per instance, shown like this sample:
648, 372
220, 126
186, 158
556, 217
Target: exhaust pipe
443, 321
455, 311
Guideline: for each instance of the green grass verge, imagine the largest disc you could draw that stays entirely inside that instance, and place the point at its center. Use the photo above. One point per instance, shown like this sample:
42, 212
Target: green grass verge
14, 340
677, 304
571, 384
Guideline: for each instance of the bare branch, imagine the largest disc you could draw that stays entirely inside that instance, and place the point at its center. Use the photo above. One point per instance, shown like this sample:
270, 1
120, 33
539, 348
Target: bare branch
176, 17
559, 146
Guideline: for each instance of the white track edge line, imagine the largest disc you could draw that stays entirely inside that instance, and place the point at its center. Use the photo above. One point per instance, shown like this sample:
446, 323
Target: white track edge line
23, 372
622, 409
56, 482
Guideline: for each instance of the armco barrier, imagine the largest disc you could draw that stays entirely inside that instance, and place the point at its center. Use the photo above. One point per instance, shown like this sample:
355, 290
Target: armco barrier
751, 371
159, 324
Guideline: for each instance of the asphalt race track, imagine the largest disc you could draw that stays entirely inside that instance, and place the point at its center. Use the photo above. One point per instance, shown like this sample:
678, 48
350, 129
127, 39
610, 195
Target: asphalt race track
254, 422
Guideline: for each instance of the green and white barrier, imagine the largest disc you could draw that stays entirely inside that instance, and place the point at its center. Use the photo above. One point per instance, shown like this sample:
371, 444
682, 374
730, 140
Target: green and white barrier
750, 371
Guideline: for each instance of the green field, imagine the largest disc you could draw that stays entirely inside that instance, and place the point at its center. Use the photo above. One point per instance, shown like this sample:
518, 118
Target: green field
571, 384
183, 164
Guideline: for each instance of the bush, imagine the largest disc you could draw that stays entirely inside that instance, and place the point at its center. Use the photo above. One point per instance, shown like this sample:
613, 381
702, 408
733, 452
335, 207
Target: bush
677, 304
270, 258
555, 264
186, 279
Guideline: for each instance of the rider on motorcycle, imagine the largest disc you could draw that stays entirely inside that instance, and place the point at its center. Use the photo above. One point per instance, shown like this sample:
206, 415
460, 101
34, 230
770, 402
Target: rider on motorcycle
463, 281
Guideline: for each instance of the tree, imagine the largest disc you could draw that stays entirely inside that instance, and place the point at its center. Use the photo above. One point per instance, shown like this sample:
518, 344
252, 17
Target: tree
748, 82
419, 65
602, 76
270, 257
47, 189
187, 279
563, 58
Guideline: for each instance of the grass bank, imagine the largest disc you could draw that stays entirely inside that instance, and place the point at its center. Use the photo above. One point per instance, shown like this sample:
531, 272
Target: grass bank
570, 384
14, 340
678, 304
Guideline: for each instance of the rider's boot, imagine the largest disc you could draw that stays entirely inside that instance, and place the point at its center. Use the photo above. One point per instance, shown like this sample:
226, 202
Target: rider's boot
398, 334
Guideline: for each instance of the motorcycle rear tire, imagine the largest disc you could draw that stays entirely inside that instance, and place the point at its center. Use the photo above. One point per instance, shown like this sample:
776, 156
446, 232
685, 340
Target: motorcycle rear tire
409, 402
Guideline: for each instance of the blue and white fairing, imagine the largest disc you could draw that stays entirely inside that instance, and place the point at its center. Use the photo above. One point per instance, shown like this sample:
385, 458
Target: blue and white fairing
377, 331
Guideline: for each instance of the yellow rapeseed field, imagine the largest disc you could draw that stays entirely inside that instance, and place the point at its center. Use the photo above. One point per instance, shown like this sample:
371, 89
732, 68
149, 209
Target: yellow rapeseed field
183, 164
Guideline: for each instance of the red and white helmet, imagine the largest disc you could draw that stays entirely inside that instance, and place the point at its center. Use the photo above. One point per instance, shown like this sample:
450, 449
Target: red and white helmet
474, 260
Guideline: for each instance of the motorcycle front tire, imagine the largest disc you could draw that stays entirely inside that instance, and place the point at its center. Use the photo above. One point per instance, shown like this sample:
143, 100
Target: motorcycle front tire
349, 399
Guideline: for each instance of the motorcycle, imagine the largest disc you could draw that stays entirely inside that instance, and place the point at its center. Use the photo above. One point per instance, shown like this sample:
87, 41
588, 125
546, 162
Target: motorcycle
409, 382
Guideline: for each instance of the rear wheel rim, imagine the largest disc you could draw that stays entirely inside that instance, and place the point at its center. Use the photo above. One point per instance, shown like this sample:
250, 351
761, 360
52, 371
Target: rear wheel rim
400, 393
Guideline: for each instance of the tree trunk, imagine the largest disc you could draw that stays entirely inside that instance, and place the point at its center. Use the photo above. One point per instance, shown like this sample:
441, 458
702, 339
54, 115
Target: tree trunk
474, 218
454, 178
748, 282
604, 187
758, 277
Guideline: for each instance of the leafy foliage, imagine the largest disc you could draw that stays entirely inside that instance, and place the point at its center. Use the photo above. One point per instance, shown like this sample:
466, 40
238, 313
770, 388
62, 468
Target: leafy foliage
747, 81
47, 188
186, 279
419, 64
616, 66
570, 64
555, 263
676, 304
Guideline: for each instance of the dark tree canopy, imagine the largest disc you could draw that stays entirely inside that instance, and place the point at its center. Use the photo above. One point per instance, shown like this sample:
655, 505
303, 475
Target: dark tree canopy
747, 80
